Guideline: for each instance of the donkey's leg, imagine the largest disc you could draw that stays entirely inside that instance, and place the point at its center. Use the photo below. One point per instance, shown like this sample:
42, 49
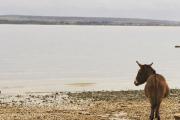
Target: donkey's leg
157, 111
153, 107
151, 117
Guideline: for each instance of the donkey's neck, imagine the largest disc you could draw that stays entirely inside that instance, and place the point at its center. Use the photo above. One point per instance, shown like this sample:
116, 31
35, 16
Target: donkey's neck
153, 72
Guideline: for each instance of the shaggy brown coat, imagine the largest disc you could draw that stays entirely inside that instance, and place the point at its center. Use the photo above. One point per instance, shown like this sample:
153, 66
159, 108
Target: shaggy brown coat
156, 87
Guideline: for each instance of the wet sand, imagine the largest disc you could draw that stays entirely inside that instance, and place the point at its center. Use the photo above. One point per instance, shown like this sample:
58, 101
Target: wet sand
80, 84
97, 105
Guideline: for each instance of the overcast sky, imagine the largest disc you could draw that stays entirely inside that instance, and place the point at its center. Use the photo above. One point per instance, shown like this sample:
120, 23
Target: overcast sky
153, 9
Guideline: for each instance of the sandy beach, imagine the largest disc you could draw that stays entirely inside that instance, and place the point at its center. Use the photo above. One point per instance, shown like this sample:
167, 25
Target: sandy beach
96, 105
84, 72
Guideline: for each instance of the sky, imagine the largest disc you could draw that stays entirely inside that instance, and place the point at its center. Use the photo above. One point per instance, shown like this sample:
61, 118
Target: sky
151, 9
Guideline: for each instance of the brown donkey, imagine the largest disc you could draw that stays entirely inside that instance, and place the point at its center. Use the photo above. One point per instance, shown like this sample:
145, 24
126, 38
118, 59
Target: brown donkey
156, 87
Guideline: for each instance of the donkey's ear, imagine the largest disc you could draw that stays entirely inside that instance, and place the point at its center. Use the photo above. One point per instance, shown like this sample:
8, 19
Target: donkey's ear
151, 64
139, 64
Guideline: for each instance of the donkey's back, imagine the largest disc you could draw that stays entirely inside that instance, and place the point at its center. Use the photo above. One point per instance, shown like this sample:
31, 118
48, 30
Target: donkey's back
156, 86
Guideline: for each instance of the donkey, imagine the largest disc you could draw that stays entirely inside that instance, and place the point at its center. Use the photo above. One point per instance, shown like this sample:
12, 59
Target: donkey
155, 89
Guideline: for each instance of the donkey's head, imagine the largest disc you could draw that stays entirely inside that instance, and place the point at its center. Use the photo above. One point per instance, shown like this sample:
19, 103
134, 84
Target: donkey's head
144, 72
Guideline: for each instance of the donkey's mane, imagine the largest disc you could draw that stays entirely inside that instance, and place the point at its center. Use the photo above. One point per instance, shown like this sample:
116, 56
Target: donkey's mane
153, 71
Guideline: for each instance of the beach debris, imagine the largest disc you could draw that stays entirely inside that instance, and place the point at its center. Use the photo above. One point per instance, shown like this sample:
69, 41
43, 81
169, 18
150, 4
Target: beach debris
177, 116
119, 116
83, 106
177, 46
55, 95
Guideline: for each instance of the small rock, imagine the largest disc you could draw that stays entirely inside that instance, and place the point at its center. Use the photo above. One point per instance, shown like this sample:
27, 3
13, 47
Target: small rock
177, 116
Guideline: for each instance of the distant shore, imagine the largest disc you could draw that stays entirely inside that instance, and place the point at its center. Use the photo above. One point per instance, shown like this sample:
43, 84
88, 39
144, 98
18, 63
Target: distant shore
97, 105
60, 20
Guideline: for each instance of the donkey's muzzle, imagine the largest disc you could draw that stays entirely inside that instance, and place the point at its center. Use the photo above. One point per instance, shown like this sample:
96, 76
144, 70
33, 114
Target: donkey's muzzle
136, 83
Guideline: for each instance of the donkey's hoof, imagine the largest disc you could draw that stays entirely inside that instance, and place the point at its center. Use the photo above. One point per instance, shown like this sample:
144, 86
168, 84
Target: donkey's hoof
158, 117
151, 117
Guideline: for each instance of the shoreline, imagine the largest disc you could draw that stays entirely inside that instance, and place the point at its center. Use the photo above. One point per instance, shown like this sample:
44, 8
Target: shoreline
96, 105
22, 86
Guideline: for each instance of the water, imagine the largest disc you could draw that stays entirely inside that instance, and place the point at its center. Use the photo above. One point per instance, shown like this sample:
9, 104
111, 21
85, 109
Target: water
53, 56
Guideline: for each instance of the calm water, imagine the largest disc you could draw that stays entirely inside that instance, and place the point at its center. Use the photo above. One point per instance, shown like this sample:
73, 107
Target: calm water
104, 55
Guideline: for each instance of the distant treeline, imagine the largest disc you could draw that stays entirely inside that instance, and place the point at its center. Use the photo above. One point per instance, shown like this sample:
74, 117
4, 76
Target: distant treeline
51, 20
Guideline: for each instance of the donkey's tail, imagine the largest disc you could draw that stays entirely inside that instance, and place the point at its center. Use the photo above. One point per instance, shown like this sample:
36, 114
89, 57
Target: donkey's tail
154, 101
154, 98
